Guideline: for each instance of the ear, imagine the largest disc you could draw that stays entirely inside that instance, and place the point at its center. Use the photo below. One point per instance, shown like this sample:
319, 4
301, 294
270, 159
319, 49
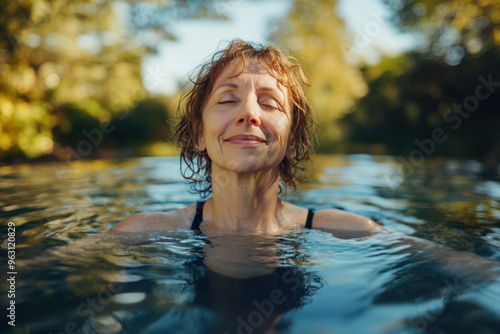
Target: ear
290, 149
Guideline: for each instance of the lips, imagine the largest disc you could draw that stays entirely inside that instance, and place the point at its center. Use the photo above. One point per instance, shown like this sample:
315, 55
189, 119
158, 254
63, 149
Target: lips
245, 140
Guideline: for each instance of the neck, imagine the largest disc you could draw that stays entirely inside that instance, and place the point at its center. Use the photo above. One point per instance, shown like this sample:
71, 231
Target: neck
244, 202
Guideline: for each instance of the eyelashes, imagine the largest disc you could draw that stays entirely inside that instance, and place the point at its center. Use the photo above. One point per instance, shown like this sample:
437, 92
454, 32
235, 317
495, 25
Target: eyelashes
266, 106
271, 107
272, 104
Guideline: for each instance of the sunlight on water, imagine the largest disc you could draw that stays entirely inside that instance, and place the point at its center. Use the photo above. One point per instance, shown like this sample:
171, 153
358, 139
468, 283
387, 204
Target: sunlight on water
75, 277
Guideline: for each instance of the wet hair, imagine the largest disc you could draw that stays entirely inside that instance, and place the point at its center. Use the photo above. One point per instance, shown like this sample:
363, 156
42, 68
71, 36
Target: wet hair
285, 69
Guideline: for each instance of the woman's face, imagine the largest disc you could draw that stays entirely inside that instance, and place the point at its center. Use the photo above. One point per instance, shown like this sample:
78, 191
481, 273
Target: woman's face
247, 120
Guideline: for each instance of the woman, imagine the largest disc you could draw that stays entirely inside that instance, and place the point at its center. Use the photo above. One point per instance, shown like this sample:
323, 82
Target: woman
244, 126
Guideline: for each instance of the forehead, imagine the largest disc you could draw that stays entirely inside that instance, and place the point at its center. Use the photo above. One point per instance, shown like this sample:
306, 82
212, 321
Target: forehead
251, 66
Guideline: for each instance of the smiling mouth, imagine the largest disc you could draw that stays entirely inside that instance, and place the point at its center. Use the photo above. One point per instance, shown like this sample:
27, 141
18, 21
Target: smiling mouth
246, 140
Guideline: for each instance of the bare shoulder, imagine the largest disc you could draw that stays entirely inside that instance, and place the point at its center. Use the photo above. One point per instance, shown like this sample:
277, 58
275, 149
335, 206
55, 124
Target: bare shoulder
157, 221
338, 220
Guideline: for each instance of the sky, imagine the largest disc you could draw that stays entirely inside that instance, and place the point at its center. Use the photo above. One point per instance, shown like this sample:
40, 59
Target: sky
249, 20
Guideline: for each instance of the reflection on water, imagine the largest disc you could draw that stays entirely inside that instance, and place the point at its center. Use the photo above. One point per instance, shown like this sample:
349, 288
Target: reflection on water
72, 279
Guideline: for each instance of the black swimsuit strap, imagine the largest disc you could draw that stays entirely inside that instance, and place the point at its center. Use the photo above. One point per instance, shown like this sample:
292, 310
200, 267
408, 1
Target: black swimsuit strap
310, 216
198, 217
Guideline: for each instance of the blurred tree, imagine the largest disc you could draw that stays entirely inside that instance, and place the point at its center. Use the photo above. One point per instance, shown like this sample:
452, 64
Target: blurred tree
59, 52
314, 34
144, 129
436, 85
61, 57
410, 96
451, 30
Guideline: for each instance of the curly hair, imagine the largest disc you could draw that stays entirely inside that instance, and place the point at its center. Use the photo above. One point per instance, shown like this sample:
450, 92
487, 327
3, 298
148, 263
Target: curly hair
285, 69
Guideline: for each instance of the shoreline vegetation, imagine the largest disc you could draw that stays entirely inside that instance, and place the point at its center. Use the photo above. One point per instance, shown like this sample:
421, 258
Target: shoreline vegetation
156, 149
61, 99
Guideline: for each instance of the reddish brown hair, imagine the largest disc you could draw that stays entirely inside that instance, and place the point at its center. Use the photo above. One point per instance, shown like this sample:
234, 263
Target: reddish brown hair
285, 69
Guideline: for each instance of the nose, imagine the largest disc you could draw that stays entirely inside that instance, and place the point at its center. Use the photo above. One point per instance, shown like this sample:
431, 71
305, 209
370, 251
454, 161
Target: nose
249, 113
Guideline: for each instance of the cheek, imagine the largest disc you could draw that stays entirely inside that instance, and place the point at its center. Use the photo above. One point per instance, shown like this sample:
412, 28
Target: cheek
281, 127
214, 126
209, 125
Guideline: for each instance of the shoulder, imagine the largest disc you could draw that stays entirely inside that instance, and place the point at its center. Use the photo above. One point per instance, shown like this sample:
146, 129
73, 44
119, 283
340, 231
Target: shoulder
338, 222
334, 220
157, 221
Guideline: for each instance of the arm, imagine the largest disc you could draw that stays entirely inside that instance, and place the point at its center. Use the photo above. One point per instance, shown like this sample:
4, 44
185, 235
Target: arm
143, 222
462, 264
156, 221
345, 224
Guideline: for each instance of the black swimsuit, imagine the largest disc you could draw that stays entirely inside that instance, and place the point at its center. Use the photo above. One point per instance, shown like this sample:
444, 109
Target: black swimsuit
198, 217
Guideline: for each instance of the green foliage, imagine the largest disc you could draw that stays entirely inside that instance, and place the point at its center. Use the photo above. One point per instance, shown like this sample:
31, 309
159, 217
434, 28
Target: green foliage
313, 33
147, 122
49, 74
413, 94
67, 65
452, 30
407, 103
386, 107
126, 133
74, 118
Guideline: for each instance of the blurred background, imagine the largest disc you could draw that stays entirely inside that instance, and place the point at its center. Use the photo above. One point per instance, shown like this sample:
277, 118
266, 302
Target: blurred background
101, 79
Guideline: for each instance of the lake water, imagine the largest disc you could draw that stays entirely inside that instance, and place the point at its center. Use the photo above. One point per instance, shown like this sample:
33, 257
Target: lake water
70, 278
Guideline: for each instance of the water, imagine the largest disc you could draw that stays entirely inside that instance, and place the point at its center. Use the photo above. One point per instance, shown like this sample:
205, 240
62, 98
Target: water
73, 279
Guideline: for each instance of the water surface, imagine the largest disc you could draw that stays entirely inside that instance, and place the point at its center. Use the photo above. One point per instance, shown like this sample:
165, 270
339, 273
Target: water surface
73, 277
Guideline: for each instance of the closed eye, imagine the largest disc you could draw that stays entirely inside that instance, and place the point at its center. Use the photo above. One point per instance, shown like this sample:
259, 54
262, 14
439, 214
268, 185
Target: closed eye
271, 104
227, 98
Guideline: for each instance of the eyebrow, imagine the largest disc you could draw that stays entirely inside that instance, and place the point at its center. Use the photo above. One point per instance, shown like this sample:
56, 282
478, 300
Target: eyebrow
226, 84
235, 86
